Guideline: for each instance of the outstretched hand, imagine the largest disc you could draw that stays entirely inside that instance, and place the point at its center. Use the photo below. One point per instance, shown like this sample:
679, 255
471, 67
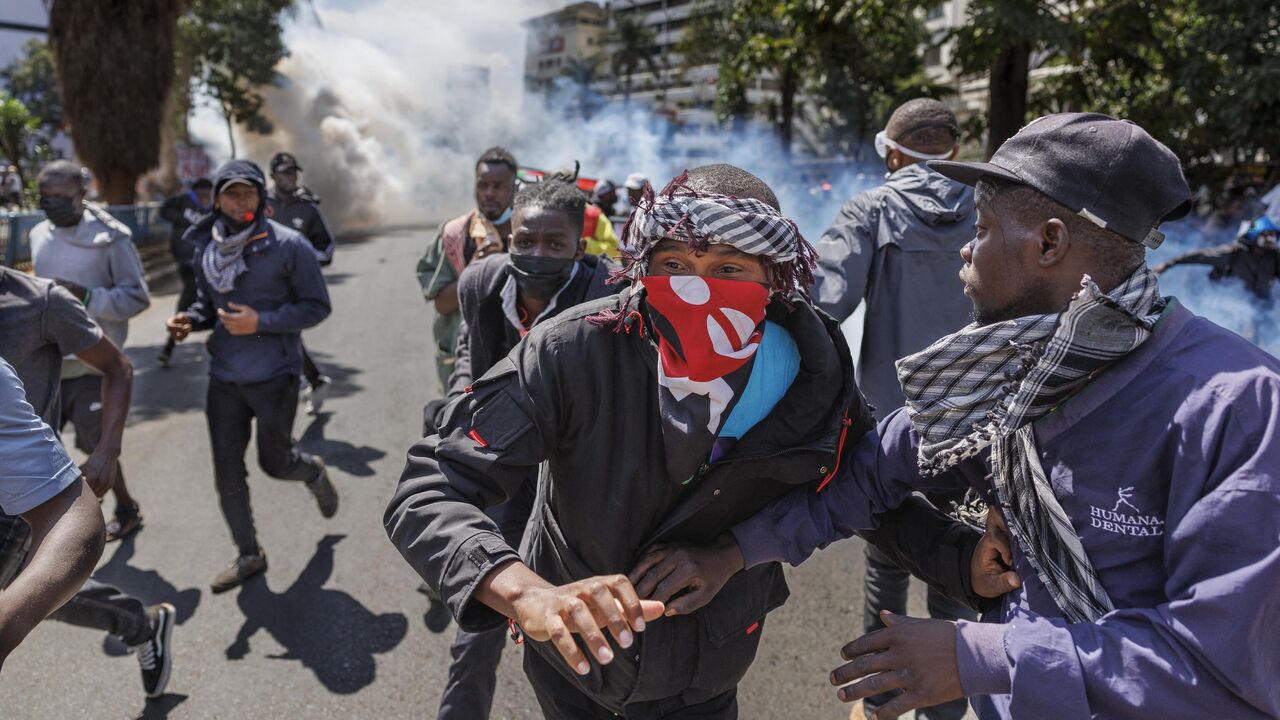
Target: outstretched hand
914, 655
686, 577
583, 608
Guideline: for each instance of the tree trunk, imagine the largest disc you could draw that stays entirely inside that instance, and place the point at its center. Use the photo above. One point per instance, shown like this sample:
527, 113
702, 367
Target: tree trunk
118, 188
231, 132
1007, 95
174, 129
787, 110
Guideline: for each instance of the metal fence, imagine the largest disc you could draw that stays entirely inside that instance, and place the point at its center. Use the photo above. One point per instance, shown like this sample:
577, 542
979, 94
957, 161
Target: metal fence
15, 229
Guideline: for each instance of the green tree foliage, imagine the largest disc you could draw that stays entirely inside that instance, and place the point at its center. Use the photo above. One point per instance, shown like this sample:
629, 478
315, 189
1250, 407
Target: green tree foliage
31, 78
848, 61
20, 140
634, 48
233, 47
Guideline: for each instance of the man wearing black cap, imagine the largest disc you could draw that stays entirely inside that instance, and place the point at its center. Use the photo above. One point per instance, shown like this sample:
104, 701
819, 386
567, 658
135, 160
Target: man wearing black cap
1129, 446
184, 210
295, 206
259, 286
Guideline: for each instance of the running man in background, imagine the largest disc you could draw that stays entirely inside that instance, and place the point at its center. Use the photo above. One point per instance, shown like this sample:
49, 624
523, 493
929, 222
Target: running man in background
293, 205
184, 210
464, 239
91, 254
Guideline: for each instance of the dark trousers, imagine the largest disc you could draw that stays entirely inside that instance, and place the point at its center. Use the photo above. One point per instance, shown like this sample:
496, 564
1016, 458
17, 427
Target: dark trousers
230, 410
188, 295
473, 674
103, 607
561, 700
309, 368
886, 589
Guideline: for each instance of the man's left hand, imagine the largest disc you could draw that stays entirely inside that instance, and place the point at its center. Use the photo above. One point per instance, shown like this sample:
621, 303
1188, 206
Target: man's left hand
913, 655
77, 290
242, 320
100, 469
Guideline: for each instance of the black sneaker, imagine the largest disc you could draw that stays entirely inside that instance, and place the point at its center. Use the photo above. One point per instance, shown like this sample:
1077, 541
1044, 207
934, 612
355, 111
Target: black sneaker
321, 487
317, 393
126, 521
165, 358
240, 570
155, 657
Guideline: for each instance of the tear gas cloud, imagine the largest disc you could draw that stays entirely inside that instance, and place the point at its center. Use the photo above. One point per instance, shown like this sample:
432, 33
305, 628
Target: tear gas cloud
387, 104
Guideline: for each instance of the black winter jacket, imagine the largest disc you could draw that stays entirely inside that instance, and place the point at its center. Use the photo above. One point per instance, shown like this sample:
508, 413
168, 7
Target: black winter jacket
582, 401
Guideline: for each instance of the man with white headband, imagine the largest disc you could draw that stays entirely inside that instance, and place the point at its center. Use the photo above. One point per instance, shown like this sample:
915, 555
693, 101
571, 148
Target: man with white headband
714, 387
897, 247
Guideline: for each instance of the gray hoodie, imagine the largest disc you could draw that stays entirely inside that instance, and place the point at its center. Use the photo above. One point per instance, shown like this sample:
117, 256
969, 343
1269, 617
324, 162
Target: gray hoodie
898, 247
99, 254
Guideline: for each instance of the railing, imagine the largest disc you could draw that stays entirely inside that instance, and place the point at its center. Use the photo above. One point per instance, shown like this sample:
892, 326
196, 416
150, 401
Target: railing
15, 229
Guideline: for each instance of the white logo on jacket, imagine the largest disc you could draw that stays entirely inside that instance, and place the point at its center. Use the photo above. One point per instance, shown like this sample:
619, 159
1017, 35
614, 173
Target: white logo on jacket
297, 223
1124, 518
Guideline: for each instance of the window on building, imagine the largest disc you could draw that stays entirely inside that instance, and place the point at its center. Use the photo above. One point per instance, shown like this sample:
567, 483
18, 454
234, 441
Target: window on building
937, 11
933, 56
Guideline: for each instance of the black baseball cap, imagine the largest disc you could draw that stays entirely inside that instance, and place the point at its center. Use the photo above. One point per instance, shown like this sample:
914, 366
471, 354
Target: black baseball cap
1108, 171
284, 161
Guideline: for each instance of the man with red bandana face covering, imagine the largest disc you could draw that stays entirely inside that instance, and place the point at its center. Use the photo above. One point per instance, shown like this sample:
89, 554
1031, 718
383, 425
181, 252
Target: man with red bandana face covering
713, 387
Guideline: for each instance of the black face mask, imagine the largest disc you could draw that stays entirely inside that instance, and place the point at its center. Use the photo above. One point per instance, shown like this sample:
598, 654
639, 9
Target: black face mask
61, 211
538, 278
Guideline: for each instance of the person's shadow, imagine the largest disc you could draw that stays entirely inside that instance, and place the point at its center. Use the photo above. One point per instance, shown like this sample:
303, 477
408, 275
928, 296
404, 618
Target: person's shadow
146, 585
351, 459
328, 631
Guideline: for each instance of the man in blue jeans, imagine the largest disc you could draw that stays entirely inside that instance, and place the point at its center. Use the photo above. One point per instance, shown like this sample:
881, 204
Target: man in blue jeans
258, 286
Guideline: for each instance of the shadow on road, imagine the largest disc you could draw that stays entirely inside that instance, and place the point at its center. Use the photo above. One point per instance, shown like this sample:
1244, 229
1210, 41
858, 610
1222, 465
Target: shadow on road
147, 585
351, 459
328, 631
162, 392
160, 707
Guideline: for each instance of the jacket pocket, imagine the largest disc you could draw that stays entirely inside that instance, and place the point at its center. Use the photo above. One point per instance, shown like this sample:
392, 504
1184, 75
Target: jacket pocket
743, 603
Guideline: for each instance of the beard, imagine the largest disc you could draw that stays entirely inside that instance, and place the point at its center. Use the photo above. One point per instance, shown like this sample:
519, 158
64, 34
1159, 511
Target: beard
1030, 299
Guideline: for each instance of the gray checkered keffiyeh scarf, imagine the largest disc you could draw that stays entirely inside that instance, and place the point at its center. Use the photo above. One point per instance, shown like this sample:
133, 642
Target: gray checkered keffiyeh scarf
223, 259
983, 387
704, 218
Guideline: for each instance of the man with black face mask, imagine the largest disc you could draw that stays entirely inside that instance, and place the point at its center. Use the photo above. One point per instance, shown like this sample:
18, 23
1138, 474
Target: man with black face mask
501, 298
469, 237
258, 287
293, 205
87, 251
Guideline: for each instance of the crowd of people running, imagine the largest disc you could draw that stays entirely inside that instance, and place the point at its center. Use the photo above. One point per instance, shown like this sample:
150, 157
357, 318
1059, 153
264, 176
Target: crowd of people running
635, 426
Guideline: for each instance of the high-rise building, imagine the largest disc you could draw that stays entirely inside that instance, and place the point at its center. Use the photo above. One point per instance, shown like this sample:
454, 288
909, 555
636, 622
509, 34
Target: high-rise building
562, 43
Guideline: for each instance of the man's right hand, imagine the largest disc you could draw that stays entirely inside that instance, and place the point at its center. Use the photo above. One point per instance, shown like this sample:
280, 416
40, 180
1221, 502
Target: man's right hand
583, 608
989, 568
179, 326
686, 577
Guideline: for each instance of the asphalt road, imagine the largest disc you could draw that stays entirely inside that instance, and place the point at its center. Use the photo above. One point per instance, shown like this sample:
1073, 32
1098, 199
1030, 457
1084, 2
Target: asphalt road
336, 630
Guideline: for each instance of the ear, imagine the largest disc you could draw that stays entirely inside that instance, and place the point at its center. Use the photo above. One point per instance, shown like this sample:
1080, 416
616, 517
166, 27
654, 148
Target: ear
582, 249
893, 159
1055, 242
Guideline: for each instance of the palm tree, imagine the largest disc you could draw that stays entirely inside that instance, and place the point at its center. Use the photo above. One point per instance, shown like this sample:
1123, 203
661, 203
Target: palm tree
115, 65
634, 45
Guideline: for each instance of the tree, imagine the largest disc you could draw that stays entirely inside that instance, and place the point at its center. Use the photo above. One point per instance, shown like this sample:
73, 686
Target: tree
20, 140
234, 47
31, 79
635, 44
114, 61
849, 60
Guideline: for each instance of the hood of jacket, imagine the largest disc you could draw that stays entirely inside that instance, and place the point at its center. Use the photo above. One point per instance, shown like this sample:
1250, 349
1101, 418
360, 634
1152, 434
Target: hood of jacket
931, 196
234, 170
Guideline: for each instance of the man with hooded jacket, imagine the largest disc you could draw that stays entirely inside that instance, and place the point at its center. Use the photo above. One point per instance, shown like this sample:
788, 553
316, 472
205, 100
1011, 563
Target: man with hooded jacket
897, 247
258, 286
715, 387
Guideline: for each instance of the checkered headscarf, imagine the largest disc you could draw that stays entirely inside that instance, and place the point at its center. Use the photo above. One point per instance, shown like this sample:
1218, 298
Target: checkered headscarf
705, 218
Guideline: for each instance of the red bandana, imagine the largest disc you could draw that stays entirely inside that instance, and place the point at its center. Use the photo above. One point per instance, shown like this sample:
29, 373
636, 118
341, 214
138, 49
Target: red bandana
708, 330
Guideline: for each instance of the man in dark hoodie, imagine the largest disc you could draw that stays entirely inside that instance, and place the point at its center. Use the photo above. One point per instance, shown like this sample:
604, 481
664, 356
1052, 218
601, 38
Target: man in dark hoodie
293, 205
898, 248
502, 298
258, 286
664, 413
182, 211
